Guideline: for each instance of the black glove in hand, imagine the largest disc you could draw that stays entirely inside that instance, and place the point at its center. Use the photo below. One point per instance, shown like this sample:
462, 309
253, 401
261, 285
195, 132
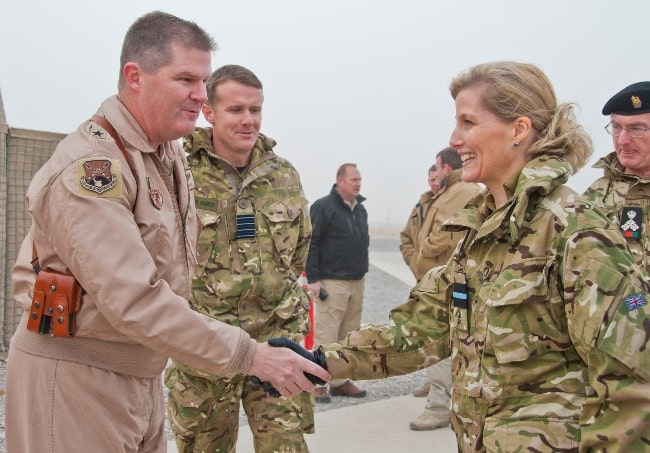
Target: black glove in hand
318, 357
266, 386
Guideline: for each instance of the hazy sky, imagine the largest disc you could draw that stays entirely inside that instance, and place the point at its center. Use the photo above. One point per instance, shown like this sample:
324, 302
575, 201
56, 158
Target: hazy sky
362, 81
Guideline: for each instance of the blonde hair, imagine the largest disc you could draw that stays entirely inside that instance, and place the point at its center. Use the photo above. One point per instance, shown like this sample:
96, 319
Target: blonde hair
514, 90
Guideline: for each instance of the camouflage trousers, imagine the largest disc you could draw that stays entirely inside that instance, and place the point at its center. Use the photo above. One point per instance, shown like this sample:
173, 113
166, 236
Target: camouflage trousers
204, 414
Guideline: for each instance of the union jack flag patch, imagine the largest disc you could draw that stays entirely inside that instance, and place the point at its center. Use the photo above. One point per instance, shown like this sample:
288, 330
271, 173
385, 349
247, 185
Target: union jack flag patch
634, 302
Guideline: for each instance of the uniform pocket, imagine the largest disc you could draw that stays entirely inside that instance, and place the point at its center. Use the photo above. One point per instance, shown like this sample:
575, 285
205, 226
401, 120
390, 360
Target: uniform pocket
511, 435
213, 245
282, 221
525, 314
618, 322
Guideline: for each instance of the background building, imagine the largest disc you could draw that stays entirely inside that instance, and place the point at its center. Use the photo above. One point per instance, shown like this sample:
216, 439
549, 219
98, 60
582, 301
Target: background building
22, 152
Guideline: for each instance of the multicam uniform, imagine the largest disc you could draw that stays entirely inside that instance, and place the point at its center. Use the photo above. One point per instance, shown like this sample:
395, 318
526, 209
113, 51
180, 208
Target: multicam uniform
625, 199
551, 353
423, 246
251, 252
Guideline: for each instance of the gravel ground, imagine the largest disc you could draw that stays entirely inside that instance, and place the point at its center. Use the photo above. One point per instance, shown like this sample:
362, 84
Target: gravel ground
383, 291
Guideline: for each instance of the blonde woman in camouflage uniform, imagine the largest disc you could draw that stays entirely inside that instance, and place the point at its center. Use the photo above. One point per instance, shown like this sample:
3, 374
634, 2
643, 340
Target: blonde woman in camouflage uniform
251, 252
542, 309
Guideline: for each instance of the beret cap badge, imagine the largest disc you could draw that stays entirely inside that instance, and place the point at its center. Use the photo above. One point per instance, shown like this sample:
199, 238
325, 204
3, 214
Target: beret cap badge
632, 100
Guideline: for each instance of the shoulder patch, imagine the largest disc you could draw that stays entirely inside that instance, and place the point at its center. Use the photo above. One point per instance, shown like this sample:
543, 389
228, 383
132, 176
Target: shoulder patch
635, 301
101, 178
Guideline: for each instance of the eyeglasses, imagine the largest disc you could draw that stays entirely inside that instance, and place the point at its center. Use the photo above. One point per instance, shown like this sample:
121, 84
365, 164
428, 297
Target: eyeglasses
634, 131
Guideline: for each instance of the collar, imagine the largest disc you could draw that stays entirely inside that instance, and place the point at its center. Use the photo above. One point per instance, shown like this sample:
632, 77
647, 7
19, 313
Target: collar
539, 177
614, 170
200, 141
126, 125
360, 198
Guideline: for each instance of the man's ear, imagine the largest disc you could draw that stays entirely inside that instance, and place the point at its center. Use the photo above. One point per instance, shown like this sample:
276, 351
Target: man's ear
208, 114
132, 75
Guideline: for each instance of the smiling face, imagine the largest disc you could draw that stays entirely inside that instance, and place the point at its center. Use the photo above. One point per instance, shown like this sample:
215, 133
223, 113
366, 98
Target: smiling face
169, 99
236, 117
633, 152
485, 142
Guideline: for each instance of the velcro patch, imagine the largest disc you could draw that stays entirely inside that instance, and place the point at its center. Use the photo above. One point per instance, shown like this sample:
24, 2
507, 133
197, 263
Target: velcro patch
206, 204
634, 302
245, 226
100, 178
459, 295
631, 220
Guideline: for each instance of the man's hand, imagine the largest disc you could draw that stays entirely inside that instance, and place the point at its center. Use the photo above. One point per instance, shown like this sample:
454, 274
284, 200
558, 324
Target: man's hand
317, 356
285, 368
314, 288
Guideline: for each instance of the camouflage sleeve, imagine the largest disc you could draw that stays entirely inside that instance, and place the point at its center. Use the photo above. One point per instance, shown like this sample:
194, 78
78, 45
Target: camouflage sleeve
417, 336
609, 323
299, 259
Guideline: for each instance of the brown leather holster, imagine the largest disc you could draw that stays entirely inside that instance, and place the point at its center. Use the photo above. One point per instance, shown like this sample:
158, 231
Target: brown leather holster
57, 299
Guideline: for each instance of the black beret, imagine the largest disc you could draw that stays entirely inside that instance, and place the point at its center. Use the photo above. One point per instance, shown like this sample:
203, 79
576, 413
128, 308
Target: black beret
631, 100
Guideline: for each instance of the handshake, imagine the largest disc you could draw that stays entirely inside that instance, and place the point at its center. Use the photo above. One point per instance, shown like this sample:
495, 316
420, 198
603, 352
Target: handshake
318, 357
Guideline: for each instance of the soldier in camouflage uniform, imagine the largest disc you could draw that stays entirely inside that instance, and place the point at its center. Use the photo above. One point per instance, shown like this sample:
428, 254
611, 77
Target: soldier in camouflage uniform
251, 253
542, 309
623, 193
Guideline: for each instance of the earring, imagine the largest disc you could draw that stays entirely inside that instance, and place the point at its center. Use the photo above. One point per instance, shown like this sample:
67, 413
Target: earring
516, 144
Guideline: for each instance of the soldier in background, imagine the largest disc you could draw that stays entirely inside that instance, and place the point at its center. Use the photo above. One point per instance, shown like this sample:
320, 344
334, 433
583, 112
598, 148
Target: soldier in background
251, 252
623, 193
424, 246
410, 235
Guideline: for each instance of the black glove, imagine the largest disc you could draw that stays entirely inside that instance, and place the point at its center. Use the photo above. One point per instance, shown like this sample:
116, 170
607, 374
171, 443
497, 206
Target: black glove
318, 357
266, 386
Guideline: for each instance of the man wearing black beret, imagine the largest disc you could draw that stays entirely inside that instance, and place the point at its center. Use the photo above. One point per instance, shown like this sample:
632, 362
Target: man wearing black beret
623, 193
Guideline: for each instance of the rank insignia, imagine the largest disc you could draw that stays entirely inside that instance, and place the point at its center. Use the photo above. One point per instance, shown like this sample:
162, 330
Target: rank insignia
460, 300
459, 295
155, 195
99, 177
631, 218
634, 302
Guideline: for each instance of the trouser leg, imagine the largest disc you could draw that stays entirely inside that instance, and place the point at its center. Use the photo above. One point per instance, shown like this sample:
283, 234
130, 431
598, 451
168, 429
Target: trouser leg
56, 405
278, 424
438, 399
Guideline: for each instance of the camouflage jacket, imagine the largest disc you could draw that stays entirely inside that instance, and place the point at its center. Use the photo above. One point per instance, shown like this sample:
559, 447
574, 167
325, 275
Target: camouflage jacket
254, 242
423, 245
552, 349
617, 192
